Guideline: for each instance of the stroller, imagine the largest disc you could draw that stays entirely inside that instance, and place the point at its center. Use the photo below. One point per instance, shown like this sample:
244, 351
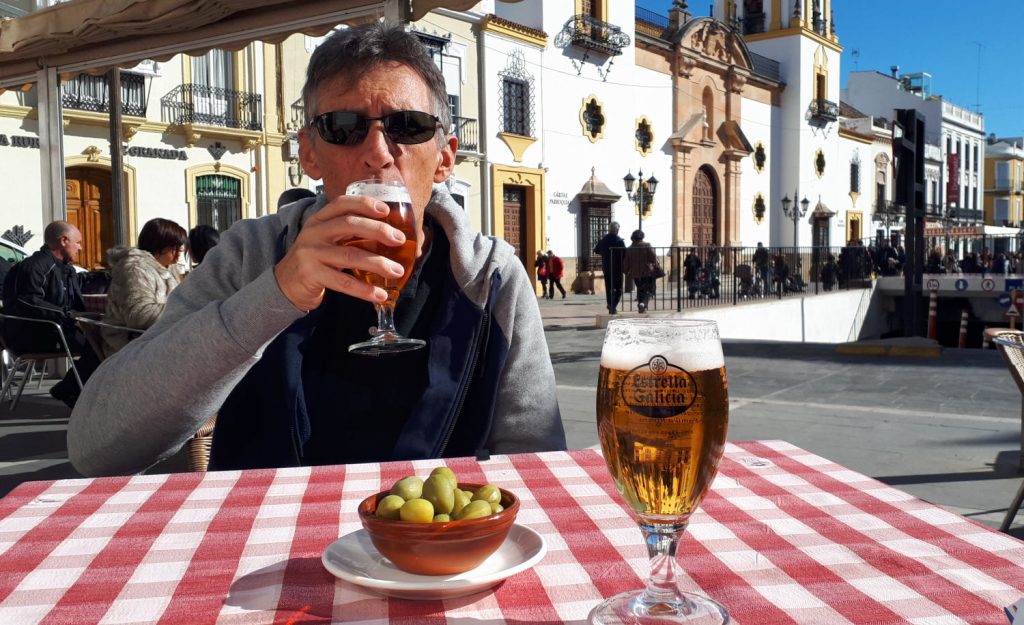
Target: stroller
748, 288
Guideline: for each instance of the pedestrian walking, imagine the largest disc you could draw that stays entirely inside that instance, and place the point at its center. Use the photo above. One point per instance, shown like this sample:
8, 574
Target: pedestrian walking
691, 272
555, 269
541, 263
611, 249
641, 264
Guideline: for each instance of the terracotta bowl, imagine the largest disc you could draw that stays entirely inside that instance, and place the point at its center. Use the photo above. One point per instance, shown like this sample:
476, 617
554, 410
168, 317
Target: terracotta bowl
438, 548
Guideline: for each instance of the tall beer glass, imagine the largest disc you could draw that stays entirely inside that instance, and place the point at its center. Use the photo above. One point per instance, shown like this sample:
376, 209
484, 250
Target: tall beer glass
394, 193
662, 416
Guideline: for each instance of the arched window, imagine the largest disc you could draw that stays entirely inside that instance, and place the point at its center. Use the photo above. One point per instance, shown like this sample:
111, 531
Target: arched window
218, 200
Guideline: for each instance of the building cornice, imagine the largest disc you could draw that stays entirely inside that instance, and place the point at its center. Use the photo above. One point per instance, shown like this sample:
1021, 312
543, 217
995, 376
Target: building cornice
17, 111
854, 136
493, 23
791, 32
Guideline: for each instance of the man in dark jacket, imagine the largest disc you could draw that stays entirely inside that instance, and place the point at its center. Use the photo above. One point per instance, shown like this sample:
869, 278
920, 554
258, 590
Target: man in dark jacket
45, 286
611, 265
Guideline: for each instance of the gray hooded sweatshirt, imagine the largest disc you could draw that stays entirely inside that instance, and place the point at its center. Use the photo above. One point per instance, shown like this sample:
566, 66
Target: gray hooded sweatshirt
147, 400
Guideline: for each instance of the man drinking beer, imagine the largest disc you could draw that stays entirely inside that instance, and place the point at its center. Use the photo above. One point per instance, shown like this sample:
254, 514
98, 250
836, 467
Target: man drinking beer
258, 334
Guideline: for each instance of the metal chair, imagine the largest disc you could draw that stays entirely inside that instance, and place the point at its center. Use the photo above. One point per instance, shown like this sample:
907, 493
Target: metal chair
1011, 346
28, 360
91, 326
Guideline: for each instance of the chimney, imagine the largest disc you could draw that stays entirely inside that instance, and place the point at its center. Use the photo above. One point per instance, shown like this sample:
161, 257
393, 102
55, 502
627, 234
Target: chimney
895, 69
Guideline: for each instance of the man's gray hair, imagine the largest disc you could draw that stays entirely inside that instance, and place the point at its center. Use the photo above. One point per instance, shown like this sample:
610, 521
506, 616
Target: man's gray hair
350, 52
54, 231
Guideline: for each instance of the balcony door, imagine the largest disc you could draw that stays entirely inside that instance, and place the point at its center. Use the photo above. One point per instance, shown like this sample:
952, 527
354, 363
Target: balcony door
213, 75
91, 211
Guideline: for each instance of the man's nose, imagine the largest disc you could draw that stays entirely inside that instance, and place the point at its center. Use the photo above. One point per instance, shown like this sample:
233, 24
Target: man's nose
378, 149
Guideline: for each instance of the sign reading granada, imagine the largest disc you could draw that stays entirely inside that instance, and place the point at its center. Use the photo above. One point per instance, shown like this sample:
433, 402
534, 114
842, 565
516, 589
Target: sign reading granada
659, 389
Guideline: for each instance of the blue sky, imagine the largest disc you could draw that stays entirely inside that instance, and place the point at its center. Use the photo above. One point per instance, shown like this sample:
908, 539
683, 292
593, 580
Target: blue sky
940, 37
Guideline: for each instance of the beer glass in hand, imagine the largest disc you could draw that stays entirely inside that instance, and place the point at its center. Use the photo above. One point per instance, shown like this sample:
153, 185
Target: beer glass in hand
394, 193
662, 415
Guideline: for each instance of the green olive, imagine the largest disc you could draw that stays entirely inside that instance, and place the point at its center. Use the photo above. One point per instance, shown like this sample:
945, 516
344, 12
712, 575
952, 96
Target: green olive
389, 506
448, 474
488, 493
461, 500
441, 518
439, 492
469, 494
407, 488
475, 510
496, 508
417, 511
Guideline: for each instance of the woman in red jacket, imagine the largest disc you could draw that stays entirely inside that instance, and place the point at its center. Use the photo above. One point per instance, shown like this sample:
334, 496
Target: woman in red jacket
555, 270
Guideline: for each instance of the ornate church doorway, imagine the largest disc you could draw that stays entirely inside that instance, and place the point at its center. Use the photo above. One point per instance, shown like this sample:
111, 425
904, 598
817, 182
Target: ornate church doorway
705, 209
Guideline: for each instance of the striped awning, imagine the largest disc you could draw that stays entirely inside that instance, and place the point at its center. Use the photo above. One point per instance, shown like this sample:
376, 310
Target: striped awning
83, 35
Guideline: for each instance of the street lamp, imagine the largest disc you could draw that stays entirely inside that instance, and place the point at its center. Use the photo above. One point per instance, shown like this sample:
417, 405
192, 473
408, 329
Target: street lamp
796, 212
644, 195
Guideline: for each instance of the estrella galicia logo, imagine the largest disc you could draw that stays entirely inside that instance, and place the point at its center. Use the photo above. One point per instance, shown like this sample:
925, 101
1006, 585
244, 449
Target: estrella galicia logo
658, 389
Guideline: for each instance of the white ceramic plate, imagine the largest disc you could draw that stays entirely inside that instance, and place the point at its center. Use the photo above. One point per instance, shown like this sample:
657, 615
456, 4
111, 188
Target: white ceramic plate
354, 559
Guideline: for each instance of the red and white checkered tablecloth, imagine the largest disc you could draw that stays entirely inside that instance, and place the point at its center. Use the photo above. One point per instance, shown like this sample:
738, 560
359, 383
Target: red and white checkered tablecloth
785, 537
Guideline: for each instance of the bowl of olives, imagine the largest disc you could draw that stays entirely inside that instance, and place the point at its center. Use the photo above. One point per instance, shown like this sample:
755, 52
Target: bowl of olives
438, 526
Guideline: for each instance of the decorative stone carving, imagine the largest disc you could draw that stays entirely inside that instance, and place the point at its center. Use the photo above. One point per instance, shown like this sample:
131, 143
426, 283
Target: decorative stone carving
716, 41
686, 65
93, 153
736, 80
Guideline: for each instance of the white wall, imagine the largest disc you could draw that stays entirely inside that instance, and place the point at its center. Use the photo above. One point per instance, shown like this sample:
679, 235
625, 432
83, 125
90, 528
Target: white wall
827, 318
756, 123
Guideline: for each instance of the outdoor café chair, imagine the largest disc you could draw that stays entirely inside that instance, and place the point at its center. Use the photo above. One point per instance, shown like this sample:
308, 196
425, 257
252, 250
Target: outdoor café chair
1011, 346
28, 360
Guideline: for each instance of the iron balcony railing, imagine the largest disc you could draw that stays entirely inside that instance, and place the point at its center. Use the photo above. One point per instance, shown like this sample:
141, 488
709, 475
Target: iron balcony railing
824, 109
740, 274
92, 93
586, 31
212, 106
467, 131
753, 23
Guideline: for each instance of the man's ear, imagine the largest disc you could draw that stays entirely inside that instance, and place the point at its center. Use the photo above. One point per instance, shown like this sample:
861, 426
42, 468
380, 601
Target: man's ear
307, 154
446, 159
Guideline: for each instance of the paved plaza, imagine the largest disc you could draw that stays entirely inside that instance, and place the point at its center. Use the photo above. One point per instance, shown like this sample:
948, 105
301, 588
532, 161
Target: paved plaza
944, 429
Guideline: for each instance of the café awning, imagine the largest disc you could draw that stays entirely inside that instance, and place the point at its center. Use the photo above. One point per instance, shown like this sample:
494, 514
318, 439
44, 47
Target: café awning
95, 35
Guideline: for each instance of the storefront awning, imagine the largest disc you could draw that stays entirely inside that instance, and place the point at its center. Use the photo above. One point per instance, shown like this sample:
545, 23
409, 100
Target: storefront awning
98, 34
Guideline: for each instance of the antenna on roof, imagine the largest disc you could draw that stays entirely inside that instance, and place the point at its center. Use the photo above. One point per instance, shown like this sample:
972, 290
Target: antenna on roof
977, 80
856, 59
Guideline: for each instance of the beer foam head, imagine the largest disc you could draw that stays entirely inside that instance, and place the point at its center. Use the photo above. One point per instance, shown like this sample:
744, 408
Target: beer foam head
691, 344
380, 191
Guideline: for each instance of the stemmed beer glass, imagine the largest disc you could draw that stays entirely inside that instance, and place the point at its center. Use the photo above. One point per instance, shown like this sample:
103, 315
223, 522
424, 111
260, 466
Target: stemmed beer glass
392, 191
662, 416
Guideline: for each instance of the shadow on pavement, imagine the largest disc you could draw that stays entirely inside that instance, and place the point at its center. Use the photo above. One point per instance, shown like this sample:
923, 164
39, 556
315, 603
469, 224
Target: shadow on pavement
952, 358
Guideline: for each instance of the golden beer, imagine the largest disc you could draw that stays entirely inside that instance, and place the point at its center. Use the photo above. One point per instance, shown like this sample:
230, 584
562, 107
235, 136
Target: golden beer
662, 428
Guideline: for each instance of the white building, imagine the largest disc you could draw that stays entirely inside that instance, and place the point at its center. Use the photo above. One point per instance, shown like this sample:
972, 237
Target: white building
958, 194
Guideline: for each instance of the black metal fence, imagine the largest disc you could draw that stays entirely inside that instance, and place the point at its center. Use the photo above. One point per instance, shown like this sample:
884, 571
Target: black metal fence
702, 277
92, 93
212, 106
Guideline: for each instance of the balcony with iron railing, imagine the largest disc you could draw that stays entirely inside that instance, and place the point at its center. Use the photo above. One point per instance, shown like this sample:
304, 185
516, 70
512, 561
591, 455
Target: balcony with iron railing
92, 93
467, 131
825, 110
650, 23
212, 106
588, 32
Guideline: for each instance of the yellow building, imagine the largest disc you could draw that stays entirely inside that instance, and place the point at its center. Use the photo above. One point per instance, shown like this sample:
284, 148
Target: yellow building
1004, 182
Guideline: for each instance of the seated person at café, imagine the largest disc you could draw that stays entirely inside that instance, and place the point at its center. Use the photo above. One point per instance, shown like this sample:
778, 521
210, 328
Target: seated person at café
259, 333
45, 286
201, 240
141, 279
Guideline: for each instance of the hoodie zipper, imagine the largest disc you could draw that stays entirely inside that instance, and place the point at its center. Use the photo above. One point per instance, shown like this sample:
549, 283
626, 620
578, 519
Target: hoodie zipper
479, 347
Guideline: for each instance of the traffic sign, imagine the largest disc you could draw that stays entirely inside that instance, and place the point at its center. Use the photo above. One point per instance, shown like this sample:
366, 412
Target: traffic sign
932, 284
1012, 311
960, 284
1003, 299
1014, 284
988, 284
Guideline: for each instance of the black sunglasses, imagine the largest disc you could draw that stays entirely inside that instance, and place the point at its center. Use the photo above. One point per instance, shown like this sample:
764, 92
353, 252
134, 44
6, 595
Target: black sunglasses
349, 128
